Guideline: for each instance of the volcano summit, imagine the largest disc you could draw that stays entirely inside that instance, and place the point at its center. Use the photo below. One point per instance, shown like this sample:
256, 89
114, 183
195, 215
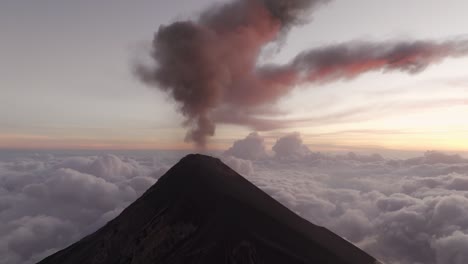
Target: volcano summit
201, 211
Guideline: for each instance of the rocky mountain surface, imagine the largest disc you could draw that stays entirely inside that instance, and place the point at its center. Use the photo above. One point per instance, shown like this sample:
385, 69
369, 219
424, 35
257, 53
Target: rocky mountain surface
203, 212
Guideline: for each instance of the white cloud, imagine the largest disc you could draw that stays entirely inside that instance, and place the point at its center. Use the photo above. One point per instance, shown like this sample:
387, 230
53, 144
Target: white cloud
49, 202
34, 234
290, 147
452, 249
401, 211
244, 167
141, 183
251, 147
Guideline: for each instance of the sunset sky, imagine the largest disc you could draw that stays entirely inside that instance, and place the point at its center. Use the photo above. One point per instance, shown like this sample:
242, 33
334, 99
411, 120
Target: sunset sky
66, 78
351, 113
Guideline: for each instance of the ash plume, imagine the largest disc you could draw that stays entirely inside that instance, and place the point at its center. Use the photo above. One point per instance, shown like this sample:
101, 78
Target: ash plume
209, 66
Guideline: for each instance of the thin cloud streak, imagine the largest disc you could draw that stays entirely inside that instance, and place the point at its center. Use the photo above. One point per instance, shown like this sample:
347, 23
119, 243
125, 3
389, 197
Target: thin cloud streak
356, 114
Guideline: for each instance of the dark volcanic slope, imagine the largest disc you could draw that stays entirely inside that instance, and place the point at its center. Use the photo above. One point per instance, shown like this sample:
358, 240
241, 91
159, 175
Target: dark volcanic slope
201, 211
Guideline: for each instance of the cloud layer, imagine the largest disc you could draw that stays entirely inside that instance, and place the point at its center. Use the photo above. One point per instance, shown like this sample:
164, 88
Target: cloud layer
401, 211
50, 201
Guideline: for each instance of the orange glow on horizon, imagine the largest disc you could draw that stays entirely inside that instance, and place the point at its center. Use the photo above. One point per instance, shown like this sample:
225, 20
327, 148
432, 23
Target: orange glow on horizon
316, 142
49, 143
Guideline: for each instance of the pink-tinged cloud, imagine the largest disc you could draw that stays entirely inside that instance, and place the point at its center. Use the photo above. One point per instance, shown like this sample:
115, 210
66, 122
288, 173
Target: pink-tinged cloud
209, 66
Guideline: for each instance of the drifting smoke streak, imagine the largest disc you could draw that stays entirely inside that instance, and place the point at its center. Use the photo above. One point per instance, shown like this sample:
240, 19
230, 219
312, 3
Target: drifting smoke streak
210, 66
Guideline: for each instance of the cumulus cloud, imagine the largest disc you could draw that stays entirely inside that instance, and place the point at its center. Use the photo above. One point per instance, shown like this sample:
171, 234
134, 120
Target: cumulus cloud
244, 167
290, 146
435, 157
401, 211
35, 234
109, 167
48, 202
252, 147
452, 249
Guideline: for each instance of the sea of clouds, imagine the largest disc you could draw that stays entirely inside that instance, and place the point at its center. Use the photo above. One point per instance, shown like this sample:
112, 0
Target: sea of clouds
404, 211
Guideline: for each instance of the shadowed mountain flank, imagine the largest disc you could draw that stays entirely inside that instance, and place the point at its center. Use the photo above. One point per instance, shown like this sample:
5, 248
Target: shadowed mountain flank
201, 211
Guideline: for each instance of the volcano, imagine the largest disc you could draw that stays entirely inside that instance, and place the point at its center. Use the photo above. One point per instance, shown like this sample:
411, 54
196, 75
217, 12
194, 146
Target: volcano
203, 212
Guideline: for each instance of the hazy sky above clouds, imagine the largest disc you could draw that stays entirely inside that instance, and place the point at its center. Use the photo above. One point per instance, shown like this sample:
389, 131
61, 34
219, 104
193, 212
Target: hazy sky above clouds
66, 79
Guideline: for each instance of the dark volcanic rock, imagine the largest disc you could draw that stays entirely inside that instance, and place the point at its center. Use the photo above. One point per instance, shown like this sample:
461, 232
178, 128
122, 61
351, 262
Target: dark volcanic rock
201, 211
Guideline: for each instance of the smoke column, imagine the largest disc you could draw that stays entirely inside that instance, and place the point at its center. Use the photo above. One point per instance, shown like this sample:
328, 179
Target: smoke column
209, 66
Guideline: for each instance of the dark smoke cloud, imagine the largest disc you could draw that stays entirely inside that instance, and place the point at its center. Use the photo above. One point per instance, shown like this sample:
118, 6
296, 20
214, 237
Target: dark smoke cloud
209, 66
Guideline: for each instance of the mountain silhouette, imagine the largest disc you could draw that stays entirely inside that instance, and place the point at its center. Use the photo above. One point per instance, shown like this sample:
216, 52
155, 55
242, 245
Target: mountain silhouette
203, 212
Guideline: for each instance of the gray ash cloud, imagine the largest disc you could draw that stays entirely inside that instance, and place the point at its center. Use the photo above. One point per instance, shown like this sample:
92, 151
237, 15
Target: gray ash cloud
210, 65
